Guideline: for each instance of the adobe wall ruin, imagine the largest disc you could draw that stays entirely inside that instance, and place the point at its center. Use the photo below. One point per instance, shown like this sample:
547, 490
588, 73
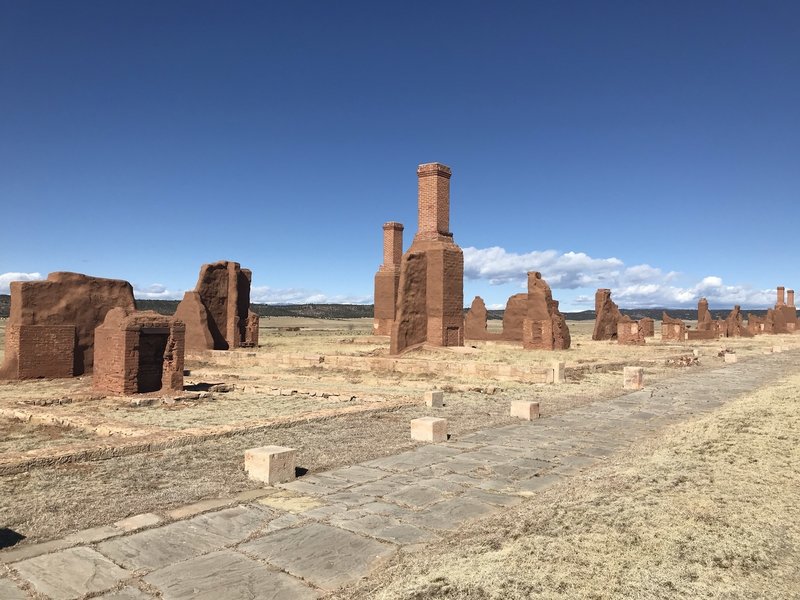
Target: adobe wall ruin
785, 313
630, 332
734, 324
544, 327
476, 321
139, 352
648, 327
217, 313
51, 324
606, 316
672, 329
387, 279
432, 312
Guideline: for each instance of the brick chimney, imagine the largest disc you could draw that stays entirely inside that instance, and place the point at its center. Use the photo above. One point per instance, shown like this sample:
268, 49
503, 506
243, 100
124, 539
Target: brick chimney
434, 201
780, 296
790, 298
392, 246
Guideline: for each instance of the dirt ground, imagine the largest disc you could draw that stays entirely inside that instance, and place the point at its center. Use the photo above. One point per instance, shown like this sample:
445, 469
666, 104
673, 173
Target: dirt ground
332, 416
707, 509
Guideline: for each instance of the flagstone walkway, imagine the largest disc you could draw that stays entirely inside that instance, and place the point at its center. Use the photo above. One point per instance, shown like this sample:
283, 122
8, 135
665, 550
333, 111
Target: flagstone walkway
326, 530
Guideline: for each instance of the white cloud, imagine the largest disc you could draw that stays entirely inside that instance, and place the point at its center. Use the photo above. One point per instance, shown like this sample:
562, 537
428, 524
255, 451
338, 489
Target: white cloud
7, 278
155, 291
267, 295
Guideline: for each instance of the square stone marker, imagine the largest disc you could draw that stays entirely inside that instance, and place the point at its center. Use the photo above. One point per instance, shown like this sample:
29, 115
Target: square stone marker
559, 372
434, 398
632, 378
429, 429
71, 573
10, 591
730, 358
527, 411
270, 464
163, 546
326, 556
226, 575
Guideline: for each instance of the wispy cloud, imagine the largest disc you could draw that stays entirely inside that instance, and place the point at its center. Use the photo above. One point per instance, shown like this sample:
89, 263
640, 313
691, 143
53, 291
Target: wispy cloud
269, 295
7, 278
155, 291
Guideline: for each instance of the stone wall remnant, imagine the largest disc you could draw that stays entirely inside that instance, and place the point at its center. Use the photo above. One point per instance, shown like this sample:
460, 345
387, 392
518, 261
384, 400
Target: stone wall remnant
648, 327
139, 352
785, 313
387, 279
476, 321
630, 332
544, 327
433, 312
606, 316
51, 324
217, 313
734, 324
672, 329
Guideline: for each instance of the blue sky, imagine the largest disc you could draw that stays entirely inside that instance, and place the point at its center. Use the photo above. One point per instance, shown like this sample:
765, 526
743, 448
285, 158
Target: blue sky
649, 147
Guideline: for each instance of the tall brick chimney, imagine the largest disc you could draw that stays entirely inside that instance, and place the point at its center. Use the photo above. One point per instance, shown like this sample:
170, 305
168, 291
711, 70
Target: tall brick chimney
790, 297
434, 201
392, 246
780, 296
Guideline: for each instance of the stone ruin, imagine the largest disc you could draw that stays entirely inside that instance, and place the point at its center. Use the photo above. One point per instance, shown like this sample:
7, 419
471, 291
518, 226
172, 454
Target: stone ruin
138, 352
784, 314
672, 329
630, 332
707, 328
387, 279
606, 316
532, 318
217, 313
648, 326
430, 295
51, 326
757, 325
734, 324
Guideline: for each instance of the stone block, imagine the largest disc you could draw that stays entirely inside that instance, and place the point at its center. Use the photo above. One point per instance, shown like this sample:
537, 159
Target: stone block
270, 464
730, 358
434, 398
429, 429
525, 410
632, 378
777, 348
559, 372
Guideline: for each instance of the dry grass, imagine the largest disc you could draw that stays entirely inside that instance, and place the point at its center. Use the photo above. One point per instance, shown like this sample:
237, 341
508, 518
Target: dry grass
708, 509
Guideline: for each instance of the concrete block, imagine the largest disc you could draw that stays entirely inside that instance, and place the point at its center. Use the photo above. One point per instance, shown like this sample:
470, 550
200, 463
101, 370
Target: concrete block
730, 358
559, 372
434, 398
523, 409
429, 429
632, 378
777, 348
270, 464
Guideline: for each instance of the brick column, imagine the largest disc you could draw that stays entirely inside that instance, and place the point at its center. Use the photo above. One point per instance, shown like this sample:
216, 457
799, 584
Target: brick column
434, 201
387, 279
790, 297
392, 246
780, 296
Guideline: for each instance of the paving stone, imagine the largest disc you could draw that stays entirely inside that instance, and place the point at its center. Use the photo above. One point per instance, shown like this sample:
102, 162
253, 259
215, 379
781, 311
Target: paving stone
358, 474
536, 484
322, 513
443, 485
138, 522
387, 528
328, 480
326, 556
229, 575
10, 591
71, 573
283, 522
199, 507
126, 593
450, 513
302, 487
375, 488
157, 548
416, 496
291, 502
407, 461
250, 495
350, 498
95, 534
31, 550
491, 497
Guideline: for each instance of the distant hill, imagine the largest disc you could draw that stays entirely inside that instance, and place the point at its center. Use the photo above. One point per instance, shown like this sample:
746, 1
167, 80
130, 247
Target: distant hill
356, 311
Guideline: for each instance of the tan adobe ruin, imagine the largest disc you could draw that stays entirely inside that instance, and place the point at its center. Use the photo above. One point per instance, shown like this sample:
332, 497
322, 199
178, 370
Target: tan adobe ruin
785, 313
138, 352
430, 295
630, 332
648, 327
475, 321
672, 329
606, 316
217, 313
51, 324
710, 328
734, 324
387, 279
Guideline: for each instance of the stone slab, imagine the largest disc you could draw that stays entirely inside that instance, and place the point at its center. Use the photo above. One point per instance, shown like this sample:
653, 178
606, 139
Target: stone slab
70, 574
199, 507
358, 474
126, 593
229, 575
386, 528
10, 591
448, 515
138, 522
161, 547
416, 496
326, 556
32, 550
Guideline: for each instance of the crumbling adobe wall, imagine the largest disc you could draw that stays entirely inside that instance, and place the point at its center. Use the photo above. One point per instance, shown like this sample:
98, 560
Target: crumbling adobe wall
476, 321
411, 324
513, 317
544, 327
606, 316
672, 329
217, 312
139, 352
785, 313
629, 332
648, 327
756, 325
387, 279
704, 321
64, 299
734, 324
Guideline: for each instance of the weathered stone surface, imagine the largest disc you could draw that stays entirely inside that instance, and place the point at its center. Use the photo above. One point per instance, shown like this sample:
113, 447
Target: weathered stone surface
430, 296
416, 496
270, 464
326, 556
704, 321
387, 528
434, 398
138, 522
229, 575
429, 429
522, 409
42, 311
514, 316
630, 332
218, 310
71, 573
672, 329
606, 316
647, 326
632, 378
475, 321
126, 593
730, 357
10, 591
450, 514
157, 548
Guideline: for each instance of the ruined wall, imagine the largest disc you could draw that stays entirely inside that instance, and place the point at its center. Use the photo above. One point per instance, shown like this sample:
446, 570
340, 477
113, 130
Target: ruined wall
756, 325
476, 321
387, 279
442, 265
139, 352
672, 329
734, 324
606, 316
704, 321
785, 313
513, 317
648, 327
63, 299
629, 332
216, 313
544, 327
